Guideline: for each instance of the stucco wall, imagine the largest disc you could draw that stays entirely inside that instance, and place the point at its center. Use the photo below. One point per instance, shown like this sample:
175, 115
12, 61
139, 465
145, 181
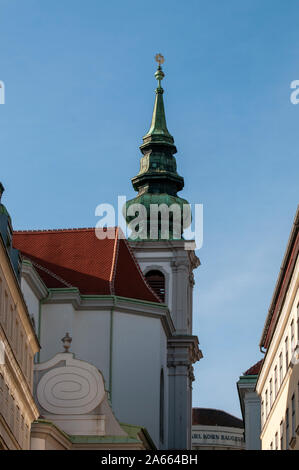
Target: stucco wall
139, 349
90, 332
139, 352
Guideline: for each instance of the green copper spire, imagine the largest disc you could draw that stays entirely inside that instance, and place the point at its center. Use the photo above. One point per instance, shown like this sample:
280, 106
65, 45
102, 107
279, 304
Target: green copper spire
158, 131
158, 181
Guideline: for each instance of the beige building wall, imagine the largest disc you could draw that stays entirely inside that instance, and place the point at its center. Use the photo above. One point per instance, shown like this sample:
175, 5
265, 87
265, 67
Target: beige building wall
278, 382
18, 345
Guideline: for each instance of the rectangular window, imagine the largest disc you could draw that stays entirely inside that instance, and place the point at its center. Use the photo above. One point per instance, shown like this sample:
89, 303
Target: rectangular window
287, 353
280, 369
25, 362
271, 446
5, 310
11, 322
275, 382
21, 440
276, 441
30, 371
21, 347
292, 338
262, 411
17, 336
11, 409
287, 428
17, 433
12, 412
1, 392
293, 415
281, 435
26, 444
271, 394
266, 403
1, 311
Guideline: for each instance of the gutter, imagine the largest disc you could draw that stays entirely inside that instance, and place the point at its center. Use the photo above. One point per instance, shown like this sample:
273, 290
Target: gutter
280, 281
41, 302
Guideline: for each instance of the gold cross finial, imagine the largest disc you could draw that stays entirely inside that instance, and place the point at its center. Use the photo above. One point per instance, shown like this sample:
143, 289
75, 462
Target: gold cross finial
159, 58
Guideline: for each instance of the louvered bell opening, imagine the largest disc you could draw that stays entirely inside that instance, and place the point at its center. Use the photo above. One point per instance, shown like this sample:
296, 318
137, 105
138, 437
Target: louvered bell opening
156, 281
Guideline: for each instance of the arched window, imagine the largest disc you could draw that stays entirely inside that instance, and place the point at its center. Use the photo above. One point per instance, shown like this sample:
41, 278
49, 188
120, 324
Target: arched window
162, 406
156, 281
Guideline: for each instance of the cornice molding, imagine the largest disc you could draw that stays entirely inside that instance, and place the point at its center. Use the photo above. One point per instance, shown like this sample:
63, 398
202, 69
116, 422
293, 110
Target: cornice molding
174, 250
183, 350
121, 304
33, 280
281, 287
158, 245
41, 429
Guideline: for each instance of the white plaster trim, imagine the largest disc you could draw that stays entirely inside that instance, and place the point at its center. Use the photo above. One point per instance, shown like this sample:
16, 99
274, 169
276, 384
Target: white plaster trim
75, 388
120, 304
33, 280
41, 430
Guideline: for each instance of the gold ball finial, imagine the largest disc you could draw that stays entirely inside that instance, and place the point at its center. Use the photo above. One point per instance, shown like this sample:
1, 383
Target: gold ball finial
160, 59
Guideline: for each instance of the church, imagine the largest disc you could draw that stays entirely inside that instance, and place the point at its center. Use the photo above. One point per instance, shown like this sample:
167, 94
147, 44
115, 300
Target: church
113, 319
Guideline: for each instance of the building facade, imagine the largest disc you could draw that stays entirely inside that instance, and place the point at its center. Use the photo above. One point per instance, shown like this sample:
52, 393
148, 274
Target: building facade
127, 309
250, 407
278, 381
216, 430
18, 345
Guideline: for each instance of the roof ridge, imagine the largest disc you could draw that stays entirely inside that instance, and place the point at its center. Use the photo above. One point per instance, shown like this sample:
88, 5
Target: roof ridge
46, 270
114, 263
56, 230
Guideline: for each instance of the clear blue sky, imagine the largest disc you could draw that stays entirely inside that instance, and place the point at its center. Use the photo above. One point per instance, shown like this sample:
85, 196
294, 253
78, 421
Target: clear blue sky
79, 96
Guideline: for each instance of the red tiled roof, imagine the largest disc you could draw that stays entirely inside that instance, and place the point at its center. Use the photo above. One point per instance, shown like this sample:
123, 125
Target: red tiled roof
77, 258
255, 369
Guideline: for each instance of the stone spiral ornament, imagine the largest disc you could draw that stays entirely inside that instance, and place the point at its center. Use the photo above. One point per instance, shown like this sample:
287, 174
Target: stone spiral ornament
71, 389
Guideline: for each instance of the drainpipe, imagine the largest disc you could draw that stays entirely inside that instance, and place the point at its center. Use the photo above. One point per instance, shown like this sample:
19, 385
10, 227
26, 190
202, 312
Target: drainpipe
111, 349
41, 302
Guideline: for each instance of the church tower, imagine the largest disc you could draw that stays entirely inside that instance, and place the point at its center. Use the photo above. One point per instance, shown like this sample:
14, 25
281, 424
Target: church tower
166, 264
158, 181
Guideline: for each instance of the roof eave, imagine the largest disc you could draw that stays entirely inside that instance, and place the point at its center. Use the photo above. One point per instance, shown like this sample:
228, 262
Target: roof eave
279, 282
